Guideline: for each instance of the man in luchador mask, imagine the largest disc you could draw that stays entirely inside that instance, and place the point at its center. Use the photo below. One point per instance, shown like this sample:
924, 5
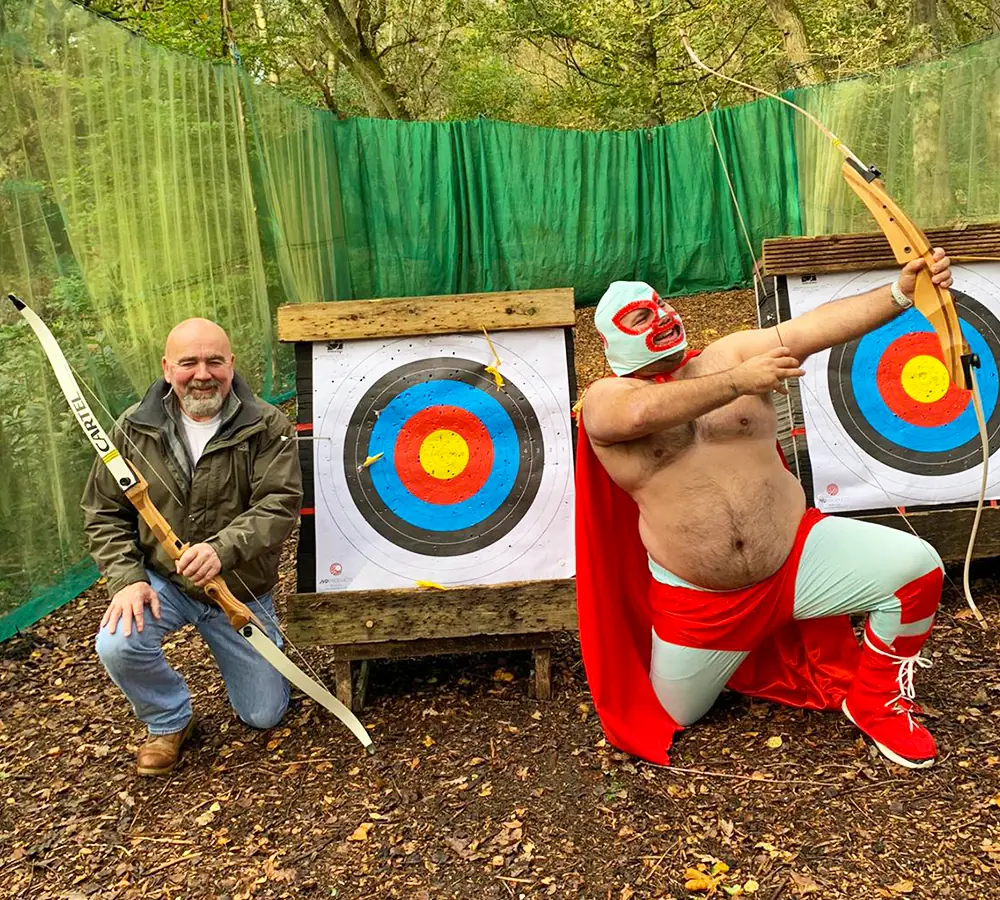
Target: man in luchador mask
701, 564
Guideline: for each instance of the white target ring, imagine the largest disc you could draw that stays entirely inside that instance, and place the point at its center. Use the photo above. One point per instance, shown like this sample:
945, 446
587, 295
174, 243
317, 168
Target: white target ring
503, 512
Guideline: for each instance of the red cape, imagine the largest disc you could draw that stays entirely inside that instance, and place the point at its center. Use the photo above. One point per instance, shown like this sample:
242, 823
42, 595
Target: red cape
807, 664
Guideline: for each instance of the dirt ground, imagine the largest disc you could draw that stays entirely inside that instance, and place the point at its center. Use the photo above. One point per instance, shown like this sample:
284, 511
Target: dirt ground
479, 791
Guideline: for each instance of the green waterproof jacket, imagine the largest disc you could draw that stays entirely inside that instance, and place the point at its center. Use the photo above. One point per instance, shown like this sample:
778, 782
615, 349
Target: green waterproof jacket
243, 496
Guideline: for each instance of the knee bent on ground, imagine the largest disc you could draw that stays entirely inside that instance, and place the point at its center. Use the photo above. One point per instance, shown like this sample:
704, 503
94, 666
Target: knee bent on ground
264, 716
115, 648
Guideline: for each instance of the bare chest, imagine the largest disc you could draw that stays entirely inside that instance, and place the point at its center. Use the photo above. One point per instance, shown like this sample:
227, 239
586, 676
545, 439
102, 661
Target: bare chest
745, 418
749, 418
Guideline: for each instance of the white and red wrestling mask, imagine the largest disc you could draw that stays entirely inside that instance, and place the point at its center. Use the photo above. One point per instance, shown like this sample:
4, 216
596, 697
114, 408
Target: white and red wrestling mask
637, 327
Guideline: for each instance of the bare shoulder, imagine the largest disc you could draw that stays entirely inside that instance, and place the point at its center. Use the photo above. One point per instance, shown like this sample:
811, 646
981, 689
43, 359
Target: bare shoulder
607, 389
604, 412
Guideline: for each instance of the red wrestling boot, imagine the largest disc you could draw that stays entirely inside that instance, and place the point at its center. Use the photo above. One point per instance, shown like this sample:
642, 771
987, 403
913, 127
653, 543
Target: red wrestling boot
880, 701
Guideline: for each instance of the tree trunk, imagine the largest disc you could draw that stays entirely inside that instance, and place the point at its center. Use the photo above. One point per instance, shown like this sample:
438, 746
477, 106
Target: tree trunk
364, 64
227, 39
260, 21
793, 33
656, 111
924, 13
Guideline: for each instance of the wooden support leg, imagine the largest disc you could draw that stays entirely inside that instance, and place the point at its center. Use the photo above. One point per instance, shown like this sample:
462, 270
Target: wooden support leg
543, 663
362, 687
345, 683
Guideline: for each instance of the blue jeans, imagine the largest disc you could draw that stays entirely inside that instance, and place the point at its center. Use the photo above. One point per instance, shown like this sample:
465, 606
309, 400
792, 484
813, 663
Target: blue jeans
159, 696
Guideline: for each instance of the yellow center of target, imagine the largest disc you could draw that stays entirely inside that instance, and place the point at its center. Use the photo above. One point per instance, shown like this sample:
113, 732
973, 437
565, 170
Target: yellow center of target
925, 379
444, 454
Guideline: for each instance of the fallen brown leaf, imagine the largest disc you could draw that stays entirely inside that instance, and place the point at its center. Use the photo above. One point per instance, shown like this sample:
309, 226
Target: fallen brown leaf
803, 883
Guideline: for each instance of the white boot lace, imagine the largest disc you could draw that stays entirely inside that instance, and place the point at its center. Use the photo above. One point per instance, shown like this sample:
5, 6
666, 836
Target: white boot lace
905, 678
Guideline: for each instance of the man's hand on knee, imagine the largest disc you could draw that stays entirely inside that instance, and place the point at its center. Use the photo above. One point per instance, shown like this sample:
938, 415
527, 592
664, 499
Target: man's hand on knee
200, 563
128, 604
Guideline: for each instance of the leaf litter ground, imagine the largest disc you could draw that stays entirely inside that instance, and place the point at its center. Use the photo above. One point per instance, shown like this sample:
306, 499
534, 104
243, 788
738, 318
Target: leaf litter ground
481, 791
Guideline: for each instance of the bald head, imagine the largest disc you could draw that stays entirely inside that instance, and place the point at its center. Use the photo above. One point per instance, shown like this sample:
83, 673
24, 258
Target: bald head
198, 365
195, 332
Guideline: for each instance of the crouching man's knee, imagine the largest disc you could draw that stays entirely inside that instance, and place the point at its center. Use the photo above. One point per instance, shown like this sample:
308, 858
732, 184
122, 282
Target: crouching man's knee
266, 711
920, 596
118, 652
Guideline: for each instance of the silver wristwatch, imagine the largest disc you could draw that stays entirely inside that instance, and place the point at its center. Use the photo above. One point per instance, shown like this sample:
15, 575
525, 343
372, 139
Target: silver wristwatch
899, 298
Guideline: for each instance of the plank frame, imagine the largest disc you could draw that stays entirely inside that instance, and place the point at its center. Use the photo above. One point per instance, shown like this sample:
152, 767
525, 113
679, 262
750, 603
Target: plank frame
870, 250
364, 626
402, 317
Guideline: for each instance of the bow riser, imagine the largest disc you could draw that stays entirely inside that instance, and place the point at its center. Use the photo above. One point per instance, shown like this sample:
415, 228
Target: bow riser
217, 590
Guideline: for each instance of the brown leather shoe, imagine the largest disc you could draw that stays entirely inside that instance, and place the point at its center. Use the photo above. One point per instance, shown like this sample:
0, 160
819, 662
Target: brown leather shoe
161, 752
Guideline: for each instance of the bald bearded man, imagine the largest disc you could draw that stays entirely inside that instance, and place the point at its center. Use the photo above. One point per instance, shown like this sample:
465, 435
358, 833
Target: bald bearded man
223, 469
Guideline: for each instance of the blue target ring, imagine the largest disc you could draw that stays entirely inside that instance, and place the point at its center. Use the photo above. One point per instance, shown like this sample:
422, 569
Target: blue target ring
511, 463
488, 498
912, 436
944, 448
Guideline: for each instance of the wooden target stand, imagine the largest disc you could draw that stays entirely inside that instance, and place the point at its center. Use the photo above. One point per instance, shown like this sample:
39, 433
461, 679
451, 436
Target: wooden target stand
365, 625
947, 526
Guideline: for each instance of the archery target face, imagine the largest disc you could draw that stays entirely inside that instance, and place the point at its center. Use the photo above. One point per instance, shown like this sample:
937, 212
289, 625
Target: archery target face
884, 424
426, 471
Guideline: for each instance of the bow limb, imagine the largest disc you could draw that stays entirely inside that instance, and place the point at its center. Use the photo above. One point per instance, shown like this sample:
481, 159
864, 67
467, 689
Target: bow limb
977, 405
136, 489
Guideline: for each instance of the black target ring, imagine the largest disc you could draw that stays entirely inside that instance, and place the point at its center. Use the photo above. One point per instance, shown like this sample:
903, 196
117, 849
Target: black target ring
397, 397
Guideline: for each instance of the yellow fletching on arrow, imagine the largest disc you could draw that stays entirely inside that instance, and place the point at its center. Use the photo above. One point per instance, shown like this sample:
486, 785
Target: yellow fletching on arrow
371, 459
494, 367
431, 584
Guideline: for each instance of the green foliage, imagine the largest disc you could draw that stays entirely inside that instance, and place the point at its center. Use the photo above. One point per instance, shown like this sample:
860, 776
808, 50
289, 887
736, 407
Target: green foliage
607, 64
480, 80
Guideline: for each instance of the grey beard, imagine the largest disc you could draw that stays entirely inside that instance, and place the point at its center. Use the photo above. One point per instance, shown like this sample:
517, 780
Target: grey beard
202, 406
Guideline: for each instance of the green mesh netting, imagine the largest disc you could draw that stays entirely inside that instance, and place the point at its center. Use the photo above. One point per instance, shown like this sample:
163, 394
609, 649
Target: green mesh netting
933, 130
125, 206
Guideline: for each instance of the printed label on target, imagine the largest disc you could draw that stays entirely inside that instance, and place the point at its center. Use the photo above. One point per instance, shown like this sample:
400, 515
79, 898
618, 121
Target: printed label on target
426, 470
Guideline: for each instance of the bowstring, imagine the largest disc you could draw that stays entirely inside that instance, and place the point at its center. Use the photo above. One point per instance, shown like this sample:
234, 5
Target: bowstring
286, 441
758, 280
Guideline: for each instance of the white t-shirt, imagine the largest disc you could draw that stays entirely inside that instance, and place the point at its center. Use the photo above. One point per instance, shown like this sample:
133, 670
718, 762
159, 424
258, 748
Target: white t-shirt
198, 434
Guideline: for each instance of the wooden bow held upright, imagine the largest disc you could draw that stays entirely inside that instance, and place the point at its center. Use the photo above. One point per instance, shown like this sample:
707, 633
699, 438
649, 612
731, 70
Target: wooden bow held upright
908, 243
136, 490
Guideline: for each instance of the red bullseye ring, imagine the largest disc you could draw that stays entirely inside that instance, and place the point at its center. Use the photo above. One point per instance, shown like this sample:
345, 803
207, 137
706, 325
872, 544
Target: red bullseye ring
437, 490
891, 387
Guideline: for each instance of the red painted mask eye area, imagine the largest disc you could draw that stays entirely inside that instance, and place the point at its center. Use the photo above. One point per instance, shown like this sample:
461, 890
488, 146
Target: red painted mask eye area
632, 307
